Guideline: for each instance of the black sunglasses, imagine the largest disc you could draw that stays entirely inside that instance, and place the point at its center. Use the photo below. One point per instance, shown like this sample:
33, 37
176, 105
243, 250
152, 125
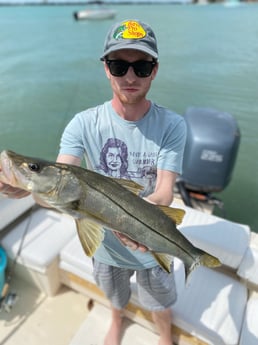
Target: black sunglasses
119, 68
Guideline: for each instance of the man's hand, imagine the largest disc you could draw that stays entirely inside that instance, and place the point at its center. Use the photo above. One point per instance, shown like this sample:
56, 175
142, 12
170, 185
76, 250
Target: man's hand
128, 242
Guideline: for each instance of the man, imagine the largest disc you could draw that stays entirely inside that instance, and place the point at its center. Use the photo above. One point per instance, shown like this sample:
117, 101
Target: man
139, 140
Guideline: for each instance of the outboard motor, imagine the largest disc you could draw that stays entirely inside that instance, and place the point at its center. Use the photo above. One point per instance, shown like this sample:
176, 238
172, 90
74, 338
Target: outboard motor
212, 143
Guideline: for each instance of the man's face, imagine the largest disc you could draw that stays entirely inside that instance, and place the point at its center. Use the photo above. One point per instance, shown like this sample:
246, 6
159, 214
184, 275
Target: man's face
130, 89
113, 158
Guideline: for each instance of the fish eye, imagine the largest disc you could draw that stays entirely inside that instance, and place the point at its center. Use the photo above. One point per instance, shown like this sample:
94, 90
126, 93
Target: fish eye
34, 167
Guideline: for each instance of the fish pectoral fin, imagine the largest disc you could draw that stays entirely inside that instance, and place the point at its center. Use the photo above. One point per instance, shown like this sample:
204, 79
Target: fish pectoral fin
130, 185
90, 234
176, 214
164, 261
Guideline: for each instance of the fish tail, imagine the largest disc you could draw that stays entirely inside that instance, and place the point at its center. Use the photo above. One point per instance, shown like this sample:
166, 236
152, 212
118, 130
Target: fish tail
204, 260
209, 260
190, 268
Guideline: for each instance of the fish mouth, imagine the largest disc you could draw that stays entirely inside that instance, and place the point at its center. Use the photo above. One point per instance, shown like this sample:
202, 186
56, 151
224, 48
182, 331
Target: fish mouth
7, 174
5, 165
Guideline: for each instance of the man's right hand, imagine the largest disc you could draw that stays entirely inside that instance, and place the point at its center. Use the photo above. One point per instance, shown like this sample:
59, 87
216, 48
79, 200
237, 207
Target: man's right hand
128, 242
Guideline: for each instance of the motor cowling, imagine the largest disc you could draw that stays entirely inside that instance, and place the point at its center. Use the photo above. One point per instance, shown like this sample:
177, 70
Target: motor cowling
212, 144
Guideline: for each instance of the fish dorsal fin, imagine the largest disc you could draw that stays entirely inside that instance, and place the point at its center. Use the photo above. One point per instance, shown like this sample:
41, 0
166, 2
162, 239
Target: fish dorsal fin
130, 185
90, 234
164, 261
176, 214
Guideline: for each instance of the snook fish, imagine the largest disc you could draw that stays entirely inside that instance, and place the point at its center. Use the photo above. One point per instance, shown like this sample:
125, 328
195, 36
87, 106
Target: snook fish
94, 201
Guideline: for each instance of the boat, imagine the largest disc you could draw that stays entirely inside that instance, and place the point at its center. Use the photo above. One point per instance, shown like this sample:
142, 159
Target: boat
53, 277
95, 14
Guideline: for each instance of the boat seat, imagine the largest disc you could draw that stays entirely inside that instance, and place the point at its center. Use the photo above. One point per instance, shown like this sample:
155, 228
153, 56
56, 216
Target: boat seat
249, 335
248, 267
224, 239
11, 209
47, 233
211, 307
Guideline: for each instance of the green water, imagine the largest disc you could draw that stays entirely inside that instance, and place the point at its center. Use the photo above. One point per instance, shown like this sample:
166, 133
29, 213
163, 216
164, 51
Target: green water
50, 70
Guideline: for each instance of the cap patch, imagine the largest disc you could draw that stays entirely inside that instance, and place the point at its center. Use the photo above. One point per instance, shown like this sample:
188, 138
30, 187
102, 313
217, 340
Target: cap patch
129, 30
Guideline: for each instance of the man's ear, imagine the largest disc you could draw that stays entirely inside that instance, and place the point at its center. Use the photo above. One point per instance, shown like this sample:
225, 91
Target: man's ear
154, 71
106, 70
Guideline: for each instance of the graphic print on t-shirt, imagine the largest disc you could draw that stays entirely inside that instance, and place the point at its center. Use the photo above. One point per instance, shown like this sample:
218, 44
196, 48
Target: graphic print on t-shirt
115, 160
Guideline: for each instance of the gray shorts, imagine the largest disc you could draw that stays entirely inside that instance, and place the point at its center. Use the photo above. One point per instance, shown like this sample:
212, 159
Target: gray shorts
156, 288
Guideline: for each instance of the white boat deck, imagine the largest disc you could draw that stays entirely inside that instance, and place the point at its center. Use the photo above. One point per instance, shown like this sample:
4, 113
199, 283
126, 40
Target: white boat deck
61, 320
38, 319
95, 327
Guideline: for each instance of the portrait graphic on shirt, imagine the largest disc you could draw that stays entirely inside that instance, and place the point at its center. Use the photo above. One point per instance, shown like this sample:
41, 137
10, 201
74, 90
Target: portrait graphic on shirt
115, 161
114, 158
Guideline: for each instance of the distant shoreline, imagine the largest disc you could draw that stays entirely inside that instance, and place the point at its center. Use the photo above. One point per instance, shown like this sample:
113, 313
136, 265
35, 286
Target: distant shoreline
86, 3
114, 2
83, 2
148, 2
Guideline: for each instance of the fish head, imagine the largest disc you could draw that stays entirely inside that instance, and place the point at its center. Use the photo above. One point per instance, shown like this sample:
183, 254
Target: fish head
52, 181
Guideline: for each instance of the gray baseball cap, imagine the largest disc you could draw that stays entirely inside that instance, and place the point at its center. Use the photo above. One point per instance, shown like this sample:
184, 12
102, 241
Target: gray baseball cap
131, 34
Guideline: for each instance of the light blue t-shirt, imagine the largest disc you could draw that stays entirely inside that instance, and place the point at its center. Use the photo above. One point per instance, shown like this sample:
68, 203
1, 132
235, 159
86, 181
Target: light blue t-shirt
119, 148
